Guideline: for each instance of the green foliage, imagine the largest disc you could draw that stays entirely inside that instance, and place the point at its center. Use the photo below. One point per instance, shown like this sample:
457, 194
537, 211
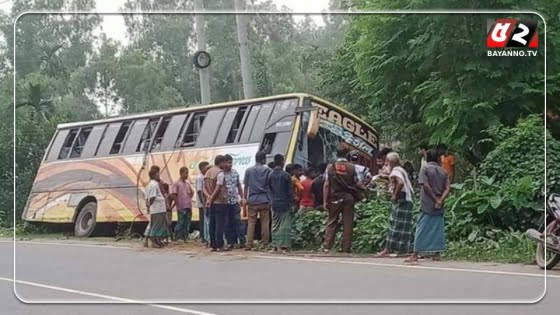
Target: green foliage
507, 191
372, 222
467, 238
308, 229
426, 78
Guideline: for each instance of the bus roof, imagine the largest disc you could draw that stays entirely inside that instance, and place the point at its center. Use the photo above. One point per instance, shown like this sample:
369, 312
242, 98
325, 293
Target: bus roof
210, 106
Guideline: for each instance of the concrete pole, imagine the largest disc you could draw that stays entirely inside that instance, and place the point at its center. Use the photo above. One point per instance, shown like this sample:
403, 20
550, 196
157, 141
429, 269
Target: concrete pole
244, 53
203, 74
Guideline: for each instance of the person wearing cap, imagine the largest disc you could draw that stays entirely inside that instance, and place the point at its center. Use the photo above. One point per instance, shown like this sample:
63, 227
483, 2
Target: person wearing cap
339, 195
364, 176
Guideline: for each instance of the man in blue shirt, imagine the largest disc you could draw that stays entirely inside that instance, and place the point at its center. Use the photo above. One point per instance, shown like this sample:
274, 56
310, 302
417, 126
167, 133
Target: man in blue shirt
256, 194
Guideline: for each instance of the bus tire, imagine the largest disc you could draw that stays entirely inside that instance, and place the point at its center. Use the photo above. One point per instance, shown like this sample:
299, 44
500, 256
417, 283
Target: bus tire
86, 220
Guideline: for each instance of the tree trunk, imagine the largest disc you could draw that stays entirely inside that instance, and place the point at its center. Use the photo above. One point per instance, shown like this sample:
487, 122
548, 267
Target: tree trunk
244, 54
203, 74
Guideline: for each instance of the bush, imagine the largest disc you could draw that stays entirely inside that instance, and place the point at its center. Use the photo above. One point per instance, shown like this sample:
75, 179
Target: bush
308, 229
372, 222
467, 237
507, 191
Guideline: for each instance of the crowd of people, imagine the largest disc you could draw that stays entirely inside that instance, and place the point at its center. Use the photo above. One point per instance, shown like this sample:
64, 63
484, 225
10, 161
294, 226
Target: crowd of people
272, 194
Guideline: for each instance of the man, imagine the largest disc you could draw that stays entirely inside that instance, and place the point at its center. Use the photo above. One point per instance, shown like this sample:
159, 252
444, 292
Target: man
380, 161
295, 171
340, 189
256, 194
307, 202
281, 199
317, 186
164, 188
216, 203
181, 195
422, 150
230, 178
447, 161
430, 230
382, 177
157, 207
364, 176
400, 219
204, 218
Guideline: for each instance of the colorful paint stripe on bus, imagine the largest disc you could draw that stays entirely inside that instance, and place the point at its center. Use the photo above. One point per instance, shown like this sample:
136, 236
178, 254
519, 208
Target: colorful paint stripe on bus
117, 183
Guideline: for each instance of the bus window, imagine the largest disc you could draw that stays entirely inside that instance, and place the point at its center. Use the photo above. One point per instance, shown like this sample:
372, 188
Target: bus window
280, 144
57, 143
237, 125
80, 142
267, 143
194, 125
173, 133
212, 124
149, 131
250, 123
262, 119
67, 146
93, 141
119, 140
156, 145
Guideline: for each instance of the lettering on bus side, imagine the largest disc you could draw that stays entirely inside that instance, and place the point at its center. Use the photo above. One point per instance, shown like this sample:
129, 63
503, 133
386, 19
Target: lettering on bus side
347, 123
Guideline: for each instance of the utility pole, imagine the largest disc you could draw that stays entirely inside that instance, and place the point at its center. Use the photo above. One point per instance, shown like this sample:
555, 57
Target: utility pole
203, 74
244, 54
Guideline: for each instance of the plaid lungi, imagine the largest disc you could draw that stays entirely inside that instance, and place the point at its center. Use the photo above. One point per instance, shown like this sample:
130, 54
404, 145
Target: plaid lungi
400, 228
281, 229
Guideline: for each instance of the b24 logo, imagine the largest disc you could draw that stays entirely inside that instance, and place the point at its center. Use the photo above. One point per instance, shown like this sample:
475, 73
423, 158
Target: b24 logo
504, 33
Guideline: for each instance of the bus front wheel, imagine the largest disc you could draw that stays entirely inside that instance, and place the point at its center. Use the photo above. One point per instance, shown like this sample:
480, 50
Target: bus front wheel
85, 222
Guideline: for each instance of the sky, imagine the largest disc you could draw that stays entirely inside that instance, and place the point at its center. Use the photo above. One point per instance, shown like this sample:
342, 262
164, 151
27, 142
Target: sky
115, 28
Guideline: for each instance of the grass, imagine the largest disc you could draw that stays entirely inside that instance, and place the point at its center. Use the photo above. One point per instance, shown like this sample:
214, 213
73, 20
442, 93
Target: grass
521, 252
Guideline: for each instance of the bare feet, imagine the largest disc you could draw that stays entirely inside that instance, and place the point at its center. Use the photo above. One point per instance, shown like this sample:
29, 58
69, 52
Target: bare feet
412, 259
384, 253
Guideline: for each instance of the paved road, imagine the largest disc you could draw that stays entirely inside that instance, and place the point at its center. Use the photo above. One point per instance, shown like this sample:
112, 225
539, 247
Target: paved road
87, 272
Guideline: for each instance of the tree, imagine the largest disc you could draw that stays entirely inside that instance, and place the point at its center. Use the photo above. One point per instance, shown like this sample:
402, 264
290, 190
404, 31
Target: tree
427, 77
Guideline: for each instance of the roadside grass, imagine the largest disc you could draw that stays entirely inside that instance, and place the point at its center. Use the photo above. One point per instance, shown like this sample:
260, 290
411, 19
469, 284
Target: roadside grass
510, 252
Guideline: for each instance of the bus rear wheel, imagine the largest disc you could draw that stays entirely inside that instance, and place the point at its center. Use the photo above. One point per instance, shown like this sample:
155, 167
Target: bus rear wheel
86, 220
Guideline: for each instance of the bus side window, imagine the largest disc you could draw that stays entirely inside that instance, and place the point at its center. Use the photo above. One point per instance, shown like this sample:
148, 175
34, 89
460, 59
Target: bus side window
267, 143
238, 124
67, 146
80, 142
162, 127
190, 133
119, 140
149, 131
93, 141
249, 123
257, 132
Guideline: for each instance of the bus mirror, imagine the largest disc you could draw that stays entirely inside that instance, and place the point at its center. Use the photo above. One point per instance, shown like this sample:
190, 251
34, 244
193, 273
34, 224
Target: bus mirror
313, 127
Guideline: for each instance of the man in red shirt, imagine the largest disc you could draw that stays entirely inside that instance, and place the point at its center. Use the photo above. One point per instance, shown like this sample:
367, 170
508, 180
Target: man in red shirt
307, 202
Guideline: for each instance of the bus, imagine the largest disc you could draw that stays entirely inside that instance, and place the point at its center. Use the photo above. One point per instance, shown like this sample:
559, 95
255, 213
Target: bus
96, 171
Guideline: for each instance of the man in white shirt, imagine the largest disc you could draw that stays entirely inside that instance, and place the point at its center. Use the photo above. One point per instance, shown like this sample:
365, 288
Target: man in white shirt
157, 209
204, 218
400, 219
